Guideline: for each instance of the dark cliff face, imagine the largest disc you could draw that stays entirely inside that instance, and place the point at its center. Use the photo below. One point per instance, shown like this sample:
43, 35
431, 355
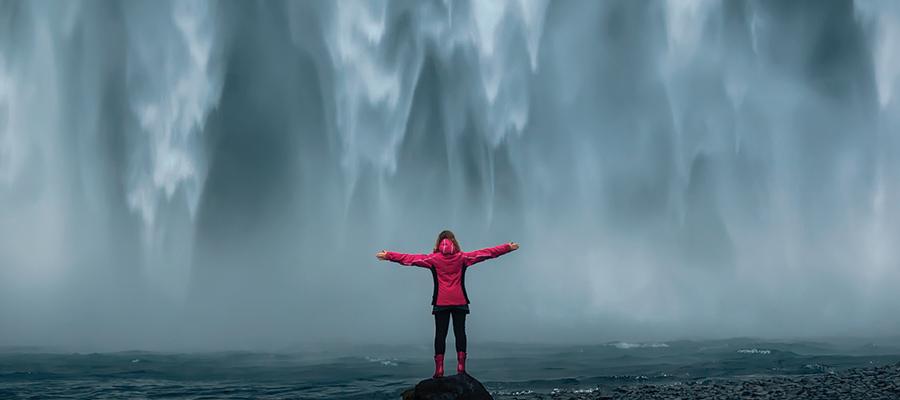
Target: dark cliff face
454, 387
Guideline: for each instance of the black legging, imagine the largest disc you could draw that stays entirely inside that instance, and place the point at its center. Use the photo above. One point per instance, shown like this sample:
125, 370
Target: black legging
442, 322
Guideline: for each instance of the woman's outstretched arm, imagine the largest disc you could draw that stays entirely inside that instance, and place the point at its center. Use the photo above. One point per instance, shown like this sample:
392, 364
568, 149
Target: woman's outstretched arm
477, 256
419, 260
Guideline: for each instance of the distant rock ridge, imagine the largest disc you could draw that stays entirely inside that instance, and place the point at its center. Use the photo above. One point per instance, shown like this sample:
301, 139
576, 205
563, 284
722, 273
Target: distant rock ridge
455, 387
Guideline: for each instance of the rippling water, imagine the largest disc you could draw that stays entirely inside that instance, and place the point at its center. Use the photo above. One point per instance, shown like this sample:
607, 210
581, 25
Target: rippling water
382, 372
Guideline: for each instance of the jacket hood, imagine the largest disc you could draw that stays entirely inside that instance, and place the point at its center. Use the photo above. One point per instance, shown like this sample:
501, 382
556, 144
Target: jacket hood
447, 247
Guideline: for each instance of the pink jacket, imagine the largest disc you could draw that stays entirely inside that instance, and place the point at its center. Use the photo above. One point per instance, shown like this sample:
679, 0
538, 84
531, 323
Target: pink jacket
448, 268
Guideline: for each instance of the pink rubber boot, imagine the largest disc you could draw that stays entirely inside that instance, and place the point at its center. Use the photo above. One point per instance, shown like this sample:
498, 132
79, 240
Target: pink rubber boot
460, 362
438, 365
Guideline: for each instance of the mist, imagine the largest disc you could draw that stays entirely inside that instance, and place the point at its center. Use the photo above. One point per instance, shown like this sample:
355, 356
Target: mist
189, 175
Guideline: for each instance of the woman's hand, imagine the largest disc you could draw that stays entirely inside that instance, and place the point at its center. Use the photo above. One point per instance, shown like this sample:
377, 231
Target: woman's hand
381, 255
513, 245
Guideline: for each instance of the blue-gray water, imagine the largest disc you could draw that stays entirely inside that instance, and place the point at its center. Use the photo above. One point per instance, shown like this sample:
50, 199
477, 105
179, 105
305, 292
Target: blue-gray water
383, 372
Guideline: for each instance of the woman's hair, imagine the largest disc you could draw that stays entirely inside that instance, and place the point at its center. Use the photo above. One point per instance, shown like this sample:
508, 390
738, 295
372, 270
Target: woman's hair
446, 235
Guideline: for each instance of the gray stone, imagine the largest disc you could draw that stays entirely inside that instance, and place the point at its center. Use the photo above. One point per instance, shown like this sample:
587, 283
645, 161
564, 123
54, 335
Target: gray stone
455, 387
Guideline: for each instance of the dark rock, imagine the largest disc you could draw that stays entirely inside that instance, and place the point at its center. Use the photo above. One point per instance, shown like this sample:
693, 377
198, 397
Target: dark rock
454, 387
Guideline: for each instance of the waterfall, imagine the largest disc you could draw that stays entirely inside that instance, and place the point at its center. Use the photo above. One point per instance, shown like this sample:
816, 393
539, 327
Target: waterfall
677, 168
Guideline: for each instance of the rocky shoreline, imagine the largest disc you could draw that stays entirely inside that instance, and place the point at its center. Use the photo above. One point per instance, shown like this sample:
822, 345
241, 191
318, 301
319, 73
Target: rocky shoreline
872, 383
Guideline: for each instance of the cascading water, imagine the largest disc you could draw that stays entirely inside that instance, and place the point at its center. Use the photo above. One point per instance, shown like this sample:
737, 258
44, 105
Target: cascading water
188, 174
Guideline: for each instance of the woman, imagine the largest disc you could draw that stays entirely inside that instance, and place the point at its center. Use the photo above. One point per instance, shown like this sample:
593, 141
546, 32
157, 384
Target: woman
448, 266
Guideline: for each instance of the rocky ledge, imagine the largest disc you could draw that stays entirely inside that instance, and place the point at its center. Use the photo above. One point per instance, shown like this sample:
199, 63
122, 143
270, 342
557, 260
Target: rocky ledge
454, 387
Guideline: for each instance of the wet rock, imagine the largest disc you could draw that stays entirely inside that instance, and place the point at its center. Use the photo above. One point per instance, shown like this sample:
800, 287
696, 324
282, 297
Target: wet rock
454, 387
871, 383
